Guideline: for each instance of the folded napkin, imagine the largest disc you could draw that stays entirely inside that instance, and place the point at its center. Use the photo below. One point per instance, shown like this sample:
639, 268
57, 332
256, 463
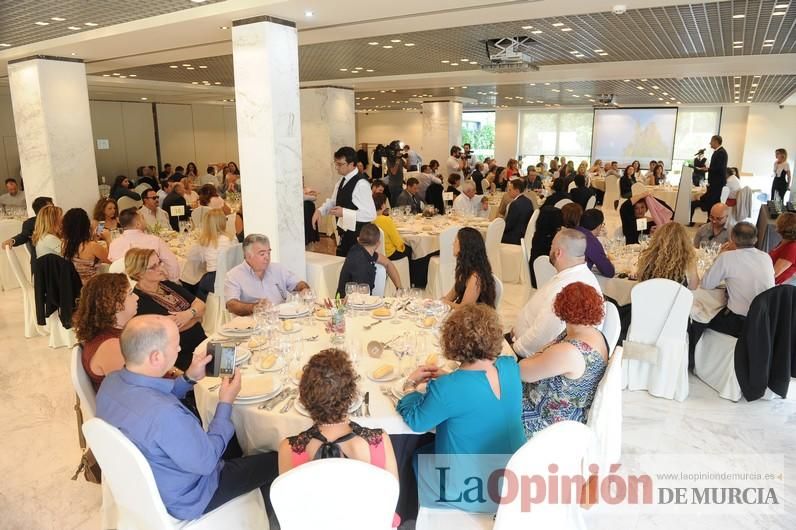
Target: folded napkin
348, 221
240, 323
659, 213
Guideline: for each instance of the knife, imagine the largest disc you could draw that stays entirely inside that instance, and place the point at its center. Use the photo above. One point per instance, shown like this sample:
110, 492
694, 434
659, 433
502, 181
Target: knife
367, 403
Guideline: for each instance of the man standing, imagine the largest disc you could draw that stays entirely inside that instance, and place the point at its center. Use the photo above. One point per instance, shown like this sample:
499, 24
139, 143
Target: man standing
413, 160
426, 177
408, 197
699, 168
257, 279
470, 160
14, 198
717, 177
185, 460
394, 178
455, 164
537, 324
518, 214
716, 230
151, 213
352, 195
133, 236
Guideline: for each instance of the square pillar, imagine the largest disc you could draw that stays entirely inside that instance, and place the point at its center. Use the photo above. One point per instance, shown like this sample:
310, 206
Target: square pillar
265, 58
327, 124
49, 98
442, 128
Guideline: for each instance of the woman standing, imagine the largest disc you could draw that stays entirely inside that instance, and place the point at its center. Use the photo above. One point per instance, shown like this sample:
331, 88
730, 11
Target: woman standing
79, 246
782, 174
474, 283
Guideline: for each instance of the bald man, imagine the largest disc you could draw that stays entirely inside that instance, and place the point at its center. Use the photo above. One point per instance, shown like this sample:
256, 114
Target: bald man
716, 230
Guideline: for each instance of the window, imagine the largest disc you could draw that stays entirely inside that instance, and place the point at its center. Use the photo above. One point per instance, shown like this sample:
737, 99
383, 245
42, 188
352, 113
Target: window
551, 133
478, 130
695, 126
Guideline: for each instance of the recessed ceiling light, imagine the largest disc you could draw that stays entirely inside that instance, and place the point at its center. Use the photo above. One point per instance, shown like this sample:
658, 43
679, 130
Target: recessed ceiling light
557, 24
574, 52
652, 93
738, 16
393, 91
308, 13
194, 82
580, 55
387, 46
780, 6
343, 69
643, 80
395, 40
738, 42
778, 13
74, 28
754, 84
144, 99
464, 60
190, 68
654, 87
599, 50
532, 84
566, 29
409, 43
42, 23
569, 90
575, 96
671, 98
665, 93
464, 87
217, 83
57, 19
556, 90
369, 70
527, 27
640, 87
106, 75
547, 84
73, 53
202, 66
679, 102
122, 77
737, 46
536, 31
473, 62
116, 73
133, 75
603, 54
454, 64
587, 95
737, 85
223, 27
173, 66
91, 24
768, 45
198, 1
354, 71
660, 99
769, 40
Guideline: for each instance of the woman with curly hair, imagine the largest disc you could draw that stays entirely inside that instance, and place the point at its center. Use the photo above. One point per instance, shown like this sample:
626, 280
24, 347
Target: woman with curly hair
559, 382
474, 283
105, 211
477, 408
107, 303
670, 255
78, 246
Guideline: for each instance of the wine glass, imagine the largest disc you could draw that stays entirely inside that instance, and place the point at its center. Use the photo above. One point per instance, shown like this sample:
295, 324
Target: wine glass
308, 298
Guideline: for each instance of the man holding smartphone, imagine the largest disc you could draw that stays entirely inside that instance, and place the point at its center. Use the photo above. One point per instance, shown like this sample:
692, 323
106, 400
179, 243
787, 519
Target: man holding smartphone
186, 461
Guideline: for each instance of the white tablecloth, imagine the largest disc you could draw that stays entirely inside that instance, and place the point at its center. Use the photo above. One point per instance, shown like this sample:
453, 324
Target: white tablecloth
422, 234
262, 430
667, 194
9, 227
323, 273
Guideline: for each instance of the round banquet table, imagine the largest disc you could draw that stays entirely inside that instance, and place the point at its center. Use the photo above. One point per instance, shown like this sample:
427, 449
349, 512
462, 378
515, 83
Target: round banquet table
9, 227
667, 194
422, 233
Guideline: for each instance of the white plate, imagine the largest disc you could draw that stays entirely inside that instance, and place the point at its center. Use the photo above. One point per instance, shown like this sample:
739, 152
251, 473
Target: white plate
295, 329
322, 319
254, 386
242, 355
258, 399
292, 311
420, 324
388, 317
301, 410
280, 362
391, 377
235, 334
240, 325
366, 302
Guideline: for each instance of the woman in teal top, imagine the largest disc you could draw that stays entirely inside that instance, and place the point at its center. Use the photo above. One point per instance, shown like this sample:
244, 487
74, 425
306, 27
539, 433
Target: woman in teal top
478, 408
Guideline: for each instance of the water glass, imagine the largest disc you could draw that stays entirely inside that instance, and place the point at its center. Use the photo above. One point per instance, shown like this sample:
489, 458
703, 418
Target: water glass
350, 288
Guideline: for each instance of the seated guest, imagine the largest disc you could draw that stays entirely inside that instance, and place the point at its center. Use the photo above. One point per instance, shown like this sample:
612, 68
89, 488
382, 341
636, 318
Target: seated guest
47, 232
377, 186
434, 197
121, 188
426, 178
559, 382
580, 193
133, 236
560, 192
231, 184
209, 177
626, 182
159, 296
105, 211
360, 263
784, 255
592, 223
144, 176
473, 280
208, 199
14, 198
612, 168
477, 175
176, 199
454, 183
548, 224
185, 460
596, 170
151, 213
191, 197
716, 230
500, 179
733, 185
212, 240
394, 246
518, 213
258, 279
537, 324
327, 389
78, 245
469, 204
362, 166
107, 303
669, 255
165, 188
26, 232
657, 177
534, 180
476, 409
408, 197
239, 223
178, 175
636, 208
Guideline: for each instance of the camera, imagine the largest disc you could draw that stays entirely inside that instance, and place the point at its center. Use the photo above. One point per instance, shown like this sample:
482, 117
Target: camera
391, 152
224, 357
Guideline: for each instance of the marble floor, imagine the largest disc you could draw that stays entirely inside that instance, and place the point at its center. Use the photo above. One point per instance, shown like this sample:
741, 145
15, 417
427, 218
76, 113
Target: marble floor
40, 452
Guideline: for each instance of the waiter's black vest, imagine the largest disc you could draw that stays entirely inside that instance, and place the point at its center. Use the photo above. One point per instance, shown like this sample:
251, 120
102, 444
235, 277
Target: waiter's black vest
345, 194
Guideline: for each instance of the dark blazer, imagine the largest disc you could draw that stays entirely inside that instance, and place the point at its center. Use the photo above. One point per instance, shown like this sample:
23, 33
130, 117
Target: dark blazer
57, 287
24, 238
407, 199
175, 199
717, 174
625, 187
581, 195
519, 213
434, 197
149, 180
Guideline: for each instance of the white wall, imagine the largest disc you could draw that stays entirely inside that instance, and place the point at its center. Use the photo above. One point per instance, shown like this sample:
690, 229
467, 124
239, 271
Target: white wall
507, 129
733, 133
768, 128
383, 127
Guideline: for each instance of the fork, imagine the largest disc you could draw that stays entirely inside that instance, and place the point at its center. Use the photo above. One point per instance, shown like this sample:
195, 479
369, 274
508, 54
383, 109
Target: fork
372, 324
289, 402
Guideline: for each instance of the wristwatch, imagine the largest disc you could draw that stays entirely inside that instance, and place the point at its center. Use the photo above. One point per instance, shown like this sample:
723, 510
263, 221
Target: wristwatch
188, 379
193, 311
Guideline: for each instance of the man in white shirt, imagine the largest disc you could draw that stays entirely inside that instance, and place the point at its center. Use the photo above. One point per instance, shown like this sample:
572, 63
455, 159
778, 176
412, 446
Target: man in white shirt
164, 190
469, 204
455, 164
351, 202
14, 198
537, 324
133, 236
413, 160
426, 177
151, 213
210, 177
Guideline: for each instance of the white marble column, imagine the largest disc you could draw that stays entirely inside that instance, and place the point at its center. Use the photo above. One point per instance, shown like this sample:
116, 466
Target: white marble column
265, 57
49, 97
327, 124
442, 128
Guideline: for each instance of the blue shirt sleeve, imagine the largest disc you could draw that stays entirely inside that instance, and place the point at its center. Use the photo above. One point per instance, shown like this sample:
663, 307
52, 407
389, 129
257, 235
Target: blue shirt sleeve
423, 412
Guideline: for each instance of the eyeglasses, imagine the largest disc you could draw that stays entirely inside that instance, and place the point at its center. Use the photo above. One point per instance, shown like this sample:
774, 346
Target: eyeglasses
717, 219
153, 197
155, 266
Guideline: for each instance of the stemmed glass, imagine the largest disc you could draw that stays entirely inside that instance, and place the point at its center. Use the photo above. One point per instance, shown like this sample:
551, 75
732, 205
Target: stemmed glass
401, 294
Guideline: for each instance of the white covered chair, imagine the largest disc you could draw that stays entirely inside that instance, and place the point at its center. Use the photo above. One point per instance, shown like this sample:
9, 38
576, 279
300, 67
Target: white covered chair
514, 258
494, 233
141, 188
32, 329
117, 266
605, 415
612, 326
137, 498
216, 313
126, 202
592, 202
725, 192
335, 494
563, 202
498, 291
442, 268
611, 191
571, 186
401, 264
529, 232
638, 188
60, 337
543, 270
197, 214
380, 282
714, 364
660, 310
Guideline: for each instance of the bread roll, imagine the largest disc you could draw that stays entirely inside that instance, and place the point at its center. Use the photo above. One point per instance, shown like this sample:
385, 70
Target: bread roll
428, 322
383, 371
287, 325
381, 312
268, 362
431, 360
323, 313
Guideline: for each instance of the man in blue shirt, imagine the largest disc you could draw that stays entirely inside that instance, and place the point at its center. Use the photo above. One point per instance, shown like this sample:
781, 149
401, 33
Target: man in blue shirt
186, 461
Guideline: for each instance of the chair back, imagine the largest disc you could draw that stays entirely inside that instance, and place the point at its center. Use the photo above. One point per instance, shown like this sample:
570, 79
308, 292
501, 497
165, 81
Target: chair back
725, 192
337, 494
638, 188
543, 270
565, 444
380, 282
611, 190
381, 250
498, 290
494, 233
129, 476
611, 326
117, 266
126, 202
16, 269
534, 197
228, 258
659, 312
525, 268
82, 384
571, 186
605, 415
141, 188
530, 230
447, 261
592, 202
197, 215
563, 202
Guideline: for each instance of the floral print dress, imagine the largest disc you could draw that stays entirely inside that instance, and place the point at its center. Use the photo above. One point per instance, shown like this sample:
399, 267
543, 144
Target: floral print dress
560, 398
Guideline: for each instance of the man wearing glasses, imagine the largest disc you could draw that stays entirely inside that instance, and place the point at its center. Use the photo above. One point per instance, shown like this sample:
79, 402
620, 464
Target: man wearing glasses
716, 230
151, 212
351, 202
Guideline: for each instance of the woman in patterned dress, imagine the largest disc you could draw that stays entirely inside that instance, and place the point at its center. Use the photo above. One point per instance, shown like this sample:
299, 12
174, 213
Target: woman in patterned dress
559, 382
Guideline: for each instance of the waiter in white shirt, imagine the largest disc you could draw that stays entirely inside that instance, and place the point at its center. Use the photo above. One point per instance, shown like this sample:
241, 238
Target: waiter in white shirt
351, 202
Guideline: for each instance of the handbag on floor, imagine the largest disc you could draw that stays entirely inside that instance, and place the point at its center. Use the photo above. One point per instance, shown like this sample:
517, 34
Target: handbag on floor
88, 464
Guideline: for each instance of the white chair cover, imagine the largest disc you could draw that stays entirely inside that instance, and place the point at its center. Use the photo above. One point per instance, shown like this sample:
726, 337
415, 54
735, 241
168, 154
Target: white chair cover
525, 270
126, 202
512, 260
638, 188
571, 186
498, 291
605, 415
543, 270
197, 214
529, 232
117, 266
141, 188
130, 479
442, 268
494, 233
592, 202
714, 364
660, 310
563, 202
60, 337
380, 282
611, 191
335, 494
611, 326
32, 329
725, 192
216, 313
